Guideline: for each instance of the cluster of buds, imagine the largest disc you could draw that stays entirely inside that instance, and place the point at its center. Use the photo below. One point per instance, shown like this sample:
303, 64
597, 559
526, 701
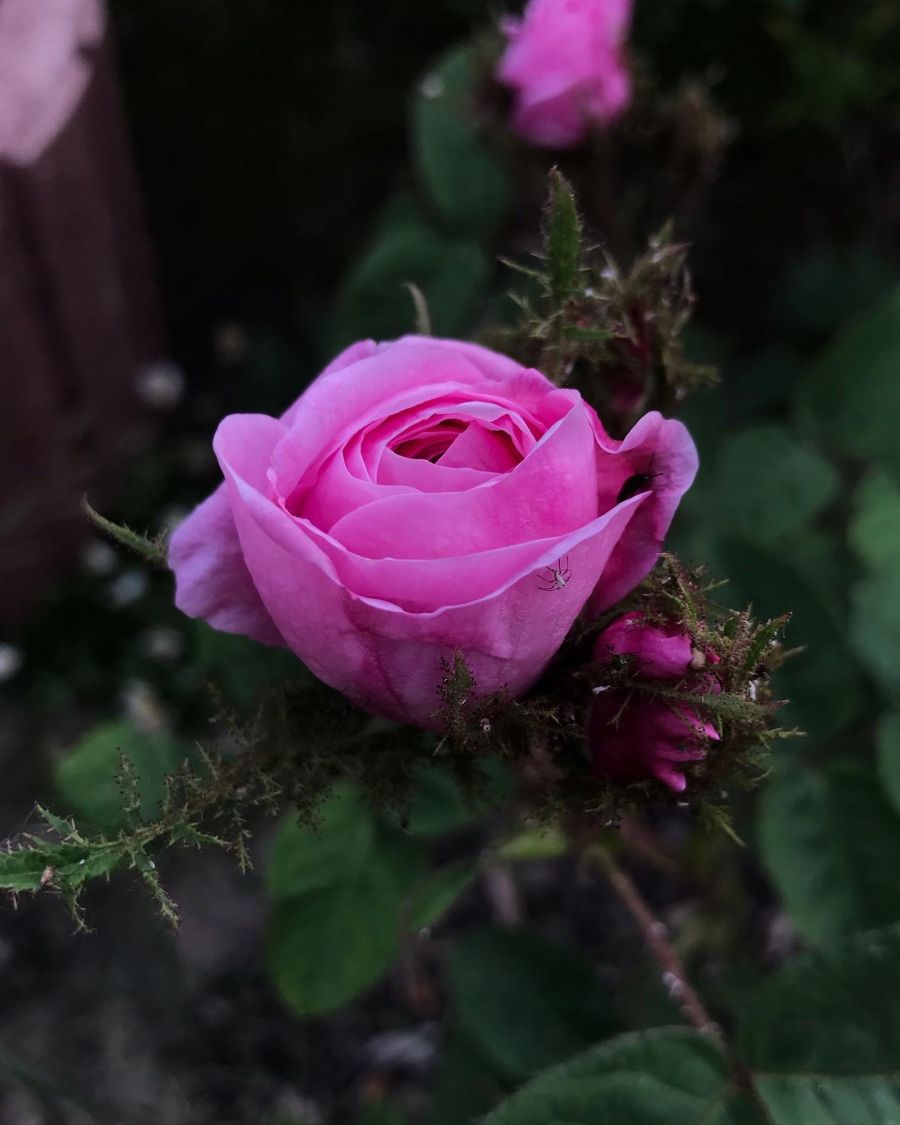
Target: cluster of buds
633, 734
670, 700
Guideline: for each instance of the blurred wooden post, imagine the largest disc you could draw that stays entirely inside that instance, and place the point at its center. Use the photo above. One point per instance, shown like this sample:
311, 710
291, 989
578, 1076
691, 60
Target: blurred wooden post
78, 312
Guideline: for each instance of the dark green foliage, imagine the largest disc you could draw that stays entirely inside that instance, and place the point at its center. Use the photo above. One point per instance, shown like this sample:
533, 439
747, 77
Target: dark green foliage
543, 1003
451, 272
86, 777
338, 892
646, 1078
850, 396
822, 1037
831, 842
462, 178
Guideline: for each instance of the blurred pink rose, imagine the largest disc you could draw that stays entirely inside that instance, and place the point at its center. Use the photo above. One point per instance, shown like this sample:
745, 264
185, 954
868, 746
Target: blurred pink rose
425, 497
565, 63
659, 653
634, 736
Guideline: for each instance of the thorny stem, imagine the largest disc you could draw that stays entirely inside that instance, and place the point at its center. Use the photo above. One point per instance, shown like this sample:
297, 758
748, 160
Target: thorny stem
658, 942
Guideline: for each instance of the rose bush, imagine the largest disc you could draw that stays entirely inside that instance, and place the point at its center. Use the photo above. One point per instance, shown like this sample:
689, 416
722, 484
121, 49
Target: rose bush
425, 497
564, 62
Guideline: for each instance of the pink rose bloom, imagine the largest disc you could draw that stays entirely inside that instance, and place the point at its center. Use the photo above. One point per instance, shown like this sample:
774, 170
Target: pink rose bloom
564, 61
658, 653
421, 498
633, 736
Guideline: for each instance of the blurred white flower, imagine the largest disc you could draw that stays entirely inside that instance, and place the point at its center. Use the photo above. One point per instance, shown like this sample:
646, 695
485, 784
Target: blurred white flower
231, 342
142, 706
98, 557
162, 644
11, 660
127, 588
160, 384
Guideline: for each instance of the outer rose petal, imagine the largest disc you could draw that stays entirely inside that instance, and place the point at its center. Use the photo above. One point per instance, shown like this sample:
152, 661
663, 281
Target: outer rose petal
662, 449
386, 659
211, 578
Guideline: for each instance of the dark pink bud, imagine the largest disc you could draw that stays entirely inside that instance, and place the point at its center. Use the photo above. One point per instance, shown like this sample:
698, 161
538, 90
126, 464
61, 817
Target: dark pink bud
659, 653
633, 736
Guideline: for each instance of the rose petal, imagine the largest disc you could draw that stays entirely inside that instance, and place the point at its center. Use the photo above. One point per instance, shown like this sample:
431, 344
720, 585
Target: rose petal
211, 578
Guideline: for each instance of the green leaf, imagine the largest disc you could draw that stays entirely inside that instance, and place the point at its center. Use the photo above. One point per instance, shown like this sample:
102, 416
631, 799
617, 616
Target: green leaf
822, 1036
239, 667
437, 805
874, 531
767, 481
828, 287
465, 1086
304, 859
562, 238
438, 891
887, 743
831, 843
875, 628
86, 777
543, 842
466, 184
823, 683
24, 868
524, 1001
339, 894
850, 396
659, 1077
451, 273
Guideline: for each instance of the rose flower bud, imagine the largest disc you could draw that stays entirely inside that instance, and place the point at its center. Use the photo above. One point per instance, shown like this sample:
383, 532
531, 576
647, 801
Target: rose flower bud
634, 736
421, 499
659, 653
564, 62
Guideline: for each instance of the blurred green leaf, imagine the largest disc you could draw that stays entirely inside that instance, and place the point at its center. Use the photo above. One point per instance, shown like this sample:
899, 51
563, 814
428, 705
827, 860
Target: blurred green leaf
875, 628
887, 743
86, 777
303, 859
831, 843
766, 482
465, 1086
339, 893
541, 842
524, 1001
874, 531
452, 273
850, 396
823, 683
654, 1077
437, 805
830, 286
464, 180
438, 891
239, 667
822, 1036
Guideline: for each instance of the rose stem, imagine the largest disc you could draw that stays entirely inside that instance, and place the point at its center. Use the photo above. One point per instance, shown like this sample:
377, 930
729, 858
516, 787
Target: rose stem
657, 939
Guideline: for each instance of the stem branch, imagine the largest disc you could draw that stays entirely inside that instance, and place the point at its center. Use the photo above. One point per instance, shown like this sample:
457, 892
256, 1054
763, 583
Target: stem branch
658, 942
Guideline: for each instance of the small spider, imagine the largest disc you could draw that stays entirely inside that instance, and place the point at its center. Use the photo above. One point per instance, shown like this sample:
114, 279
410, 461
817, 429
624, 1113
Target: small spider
555, 577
